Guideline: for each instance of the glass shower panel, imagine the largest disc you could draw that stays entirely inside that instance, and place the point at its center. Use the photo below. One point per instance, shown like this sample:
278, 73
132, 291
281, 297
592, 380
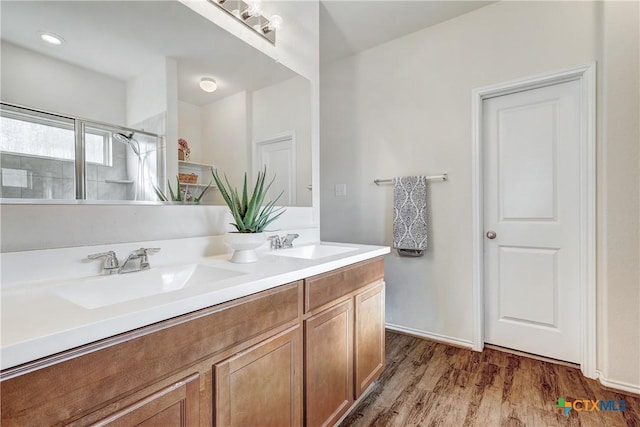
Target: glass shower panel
120, 163
37, 155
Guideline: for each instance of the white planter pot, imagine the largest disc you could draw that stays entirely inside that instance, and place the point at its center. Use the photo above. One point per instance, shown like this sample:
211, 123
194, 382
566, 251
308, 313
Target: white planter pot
244, 246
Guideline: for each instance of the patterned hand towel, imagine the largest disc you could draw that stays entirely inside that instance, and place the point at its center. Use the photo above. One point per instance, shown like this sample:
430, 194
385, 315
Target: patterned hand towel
410, 215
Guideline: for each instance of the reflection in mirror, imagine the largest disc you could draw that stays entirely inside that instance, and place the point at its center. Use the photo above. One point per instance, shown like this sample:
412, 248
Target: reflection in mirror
47, 156
137, 67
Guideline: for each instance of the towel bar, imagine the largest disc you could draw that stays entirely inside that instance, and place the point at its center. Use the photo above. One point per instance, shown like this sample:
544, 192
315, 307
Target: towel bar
443, 177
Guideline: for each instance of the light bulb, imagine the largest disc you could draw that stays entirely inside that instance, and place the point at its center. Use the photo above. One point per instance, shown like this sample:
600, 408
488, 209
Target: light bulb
254, 8
275, 23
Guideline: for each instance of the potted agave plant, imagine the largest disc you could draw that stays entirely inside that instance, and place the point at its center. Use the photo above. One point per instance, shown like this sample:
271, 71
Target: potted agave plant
250, 213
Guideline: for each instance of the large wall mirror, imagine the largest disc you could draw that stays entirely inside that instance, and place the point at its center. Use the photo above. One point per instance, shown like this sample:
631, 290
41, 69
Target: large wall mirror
96, 95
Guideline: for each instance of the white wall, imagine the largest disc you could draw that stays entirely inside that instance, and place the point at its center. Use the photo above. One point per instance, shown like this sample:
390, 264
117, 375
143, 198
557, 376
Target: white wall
619, 195
286, 107
147, 92
225, 128
404, 108
39, 81
190, 128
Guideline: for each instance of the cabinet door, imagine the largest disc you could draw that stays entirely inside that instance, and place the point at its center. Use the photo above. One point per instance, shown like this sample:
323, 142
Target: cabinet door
177, 405
261, 386
369, 337
328, 367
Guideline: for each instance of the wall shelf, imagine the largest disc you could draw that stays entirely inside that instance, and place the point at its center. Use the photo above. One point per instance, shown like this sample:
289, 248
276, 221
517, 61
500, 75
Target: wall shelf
118, 181
194, 164
203, 170
188, 184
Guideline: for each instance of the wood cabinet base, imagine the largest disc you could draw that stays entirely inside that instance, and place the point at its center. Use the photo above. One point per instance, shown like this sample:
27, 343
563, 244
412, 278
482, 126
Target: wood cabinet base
252, 361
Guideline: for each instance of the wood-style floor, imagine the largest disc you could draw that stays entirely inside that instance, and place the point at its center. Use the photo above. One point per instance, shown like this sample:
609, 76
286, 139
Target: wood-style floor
431, 384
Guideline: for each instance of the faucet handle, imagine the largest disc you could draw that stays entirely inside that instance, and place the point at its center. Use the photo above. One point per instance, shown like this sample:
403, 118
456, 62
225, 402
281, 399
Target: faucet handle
287, 241
145, 251
275, 241
142, 255
110, 259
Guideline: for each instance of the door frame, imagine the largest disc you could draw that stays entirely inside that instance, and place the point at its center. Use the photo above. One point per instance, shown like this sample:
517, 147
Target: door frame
586, 76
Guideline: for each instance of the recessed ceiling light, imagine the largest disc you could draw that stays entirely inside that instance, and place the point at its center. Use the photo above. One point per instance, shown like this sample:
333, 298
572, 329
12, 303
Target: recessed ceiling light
52, 38
207, 84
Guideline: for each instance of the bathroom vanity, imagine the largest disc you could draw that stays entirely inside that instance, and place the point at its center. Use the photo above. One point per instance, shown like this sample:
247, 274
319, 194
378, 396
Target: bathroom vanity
295, 353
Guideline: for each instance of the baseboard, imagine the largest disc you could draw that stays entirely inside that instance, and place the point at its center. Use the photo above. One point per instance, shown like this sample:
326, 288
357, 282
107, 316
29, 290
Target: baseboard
430, 336
618, 385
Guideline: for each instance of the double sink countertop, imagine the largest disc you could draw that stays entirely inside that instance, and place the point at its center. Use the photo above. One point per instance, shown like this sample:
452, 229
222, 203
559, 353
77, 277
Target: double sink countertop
43, 318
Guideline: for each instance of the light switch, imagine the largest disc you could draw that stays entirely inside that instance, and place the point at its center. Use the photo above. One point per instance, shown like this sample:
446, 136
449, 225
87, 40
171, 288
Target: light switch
341, 190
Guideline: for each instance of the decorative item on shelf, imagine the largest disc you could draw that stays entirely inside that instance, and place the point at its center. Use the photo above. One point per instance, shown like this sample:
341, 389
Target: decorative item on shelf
183, 196
183, 149
188, 178
250, 215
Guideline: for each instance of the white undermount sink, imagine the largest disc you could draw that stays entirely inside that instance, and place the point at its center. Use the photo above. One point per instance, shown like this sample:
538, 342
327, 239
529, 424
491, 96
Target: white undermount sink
316, 251
108, 290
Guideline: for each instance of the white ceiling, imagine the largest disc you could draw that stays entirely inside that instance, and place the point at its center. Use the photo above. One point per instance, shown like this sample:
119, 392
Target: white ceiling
349, 27
121, 39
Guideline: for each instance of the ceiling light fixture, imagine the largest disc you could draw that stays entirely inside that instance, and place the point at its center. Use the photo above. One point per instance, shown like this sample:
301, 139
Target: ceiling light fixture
250, 14
207, 84
51, 38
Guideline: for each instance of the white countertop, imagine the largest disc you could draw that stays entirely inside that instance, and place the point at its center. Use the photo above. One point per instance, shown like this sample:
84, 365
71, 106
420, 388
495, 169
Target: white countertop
36, 322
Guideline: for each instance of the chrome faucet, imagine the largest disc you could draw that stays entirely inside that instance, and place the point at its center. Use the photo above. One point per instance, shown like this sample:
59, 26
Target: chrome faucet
136, 261
283, 242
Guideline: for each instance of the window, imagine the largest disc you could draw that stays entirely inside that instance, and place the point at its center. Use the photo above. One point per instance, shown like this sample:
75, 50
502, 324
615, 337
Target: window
39, 158
34, 135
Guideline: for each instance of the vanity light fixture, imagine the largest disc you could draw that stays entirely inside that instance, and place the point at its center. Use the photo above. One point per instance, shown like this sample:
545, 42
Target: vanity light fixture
207, 84
275, 23
250, 14
51, 38
253, 10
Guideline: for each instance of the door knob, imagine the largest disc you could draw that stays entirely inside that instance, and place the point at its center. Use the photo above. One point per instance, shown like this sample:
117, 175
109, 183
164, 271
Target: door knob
491, 234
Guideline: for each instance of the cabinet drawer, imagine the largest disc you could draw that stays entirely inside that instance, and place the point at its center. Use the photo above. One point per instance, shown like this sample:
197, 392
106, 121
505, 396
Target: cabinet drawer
176, 405
324, 288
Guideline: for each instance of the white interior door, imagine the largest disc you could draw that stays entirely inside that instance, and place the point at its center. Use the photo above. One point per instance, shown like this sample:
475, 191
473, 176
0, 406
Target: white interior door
532, 220
279, 156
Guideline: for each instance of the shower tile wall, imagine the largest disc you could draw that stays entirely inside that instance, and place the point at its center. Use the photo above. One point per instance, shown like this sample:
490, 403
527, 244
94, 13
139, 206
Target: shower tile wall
27, 177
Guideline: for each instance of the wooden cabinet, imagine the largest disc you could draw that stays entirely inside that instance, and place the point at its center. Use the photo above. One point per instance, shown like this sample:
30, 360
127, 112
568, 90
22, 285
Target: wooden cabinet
329, 364
344, 339
80, 386
369, 337
261, 386
176, 405
298, 354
